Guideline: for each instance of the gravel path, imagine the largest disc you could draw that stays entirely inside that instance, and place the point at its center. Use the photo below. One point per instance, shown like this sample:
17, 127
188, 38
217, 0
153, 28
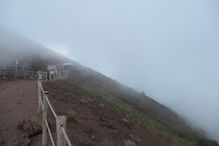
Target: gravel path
18, 101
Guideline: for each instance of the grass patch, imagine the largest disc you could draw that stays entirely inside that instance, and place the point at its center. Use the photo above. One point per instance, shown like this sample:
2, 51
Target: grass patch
102, 96
71, 116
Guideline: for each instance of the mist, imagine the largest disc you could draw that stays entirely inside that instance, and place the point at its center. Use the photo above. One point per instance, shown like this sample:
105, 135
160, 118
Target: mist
168, 49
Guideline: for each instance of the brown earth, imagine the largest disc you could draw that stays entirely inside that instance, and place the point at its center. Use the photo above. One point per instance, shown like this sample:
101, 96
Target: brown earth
18, 101
91, 124
88, 124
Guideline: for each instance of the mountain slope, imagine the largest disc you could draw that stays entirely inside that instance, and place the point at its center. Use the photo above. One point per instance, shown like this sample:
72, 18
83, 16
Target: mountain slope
136, 107
84, 86
93, 122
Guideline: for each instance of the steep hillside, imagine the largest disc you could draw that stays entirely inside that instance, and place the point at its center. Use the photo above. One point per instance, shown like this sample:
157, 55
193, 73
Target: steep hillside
94, 100
159, 120
92, 122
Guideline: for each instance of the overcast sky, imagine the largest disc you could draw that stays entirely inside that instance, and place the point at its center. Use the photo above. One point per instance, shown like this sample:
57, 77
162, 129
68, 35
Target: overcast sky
169, 49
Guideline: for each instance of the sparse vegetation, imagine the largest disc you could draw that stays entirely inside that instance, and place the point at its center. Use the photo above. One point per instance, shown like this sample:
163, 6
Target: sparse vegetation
135, 139
159, 120
71, 116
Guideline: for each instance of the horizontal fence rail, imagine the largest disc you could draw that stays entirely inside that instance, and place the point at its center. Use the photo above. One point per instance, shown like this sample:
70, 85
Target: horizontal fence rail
65, 135
11, 74
43, 104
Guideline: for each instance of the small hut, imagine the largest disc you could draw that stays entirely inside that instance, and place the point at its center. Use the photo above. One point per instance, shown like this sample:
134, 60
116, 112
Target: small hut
67, 65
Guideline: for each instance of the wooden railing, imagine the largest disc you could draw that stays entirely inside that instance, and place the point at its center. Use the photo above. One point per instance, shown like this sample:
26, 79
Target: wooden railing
14, 74
43, 104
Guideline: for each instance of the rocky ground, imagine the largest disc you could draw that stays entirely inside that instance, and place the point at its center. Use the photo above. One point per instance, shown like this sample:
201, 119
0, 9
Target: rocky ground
93, 124
88, 123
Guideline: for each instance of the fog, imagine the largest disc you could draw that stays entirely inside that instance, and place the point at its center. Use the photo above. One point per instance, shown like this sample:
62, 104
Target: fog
168, 49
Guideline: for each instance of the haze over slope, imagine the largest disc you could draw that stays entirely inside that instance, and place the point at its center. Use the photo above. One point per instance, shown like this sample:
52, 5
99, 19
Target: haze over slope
137, 107
13, 46
168, 48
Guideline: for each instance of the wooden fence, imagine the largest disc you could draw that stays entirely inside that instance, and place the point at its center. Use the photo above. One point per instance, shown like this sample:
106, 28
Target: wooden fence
8, 74
43, 104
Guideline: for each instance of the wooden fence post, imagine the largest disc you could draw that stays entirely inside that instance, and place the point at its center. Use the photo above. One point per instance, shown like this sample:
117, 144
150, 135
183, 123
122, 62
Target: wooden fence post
39, 96
24, 75
60, 122
4, 75
44, 128
15, 74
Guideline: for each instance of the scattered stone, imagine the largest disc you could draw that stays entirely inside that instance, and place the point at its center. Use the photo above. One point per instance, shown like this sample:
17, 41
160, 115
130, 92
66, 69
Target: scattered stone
126, 123
129, 143
114, 131
83, 101
32, 126
102, 105
85, 143
103, 119
2, 142
125, 120
23, 142
107, 142
134, 139
108, 126
88, 130
93, 137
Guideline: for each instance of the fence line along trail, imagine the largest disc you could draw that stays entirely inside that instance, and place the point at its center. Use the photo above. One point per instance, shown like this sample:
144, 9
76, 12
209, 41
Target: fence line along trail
18, 101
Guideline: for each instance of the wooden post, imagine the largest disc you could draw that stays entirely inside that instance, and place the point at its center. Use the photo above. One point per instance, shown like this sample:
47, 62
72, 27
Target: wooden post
24, 75
44, 128
16, 70
60, 122
39, 94
46, 76
4, 75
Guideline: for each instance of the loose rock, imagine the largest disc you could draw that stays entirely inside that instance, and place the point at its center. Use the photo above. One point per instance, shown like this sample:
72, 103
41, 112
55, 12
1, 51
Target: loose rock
32, 126
23, 142
129, 143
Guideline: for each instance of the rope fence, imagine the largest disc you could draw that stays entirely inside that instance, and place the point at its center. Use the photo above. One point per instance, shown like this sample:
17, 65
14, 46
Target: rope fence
43, 104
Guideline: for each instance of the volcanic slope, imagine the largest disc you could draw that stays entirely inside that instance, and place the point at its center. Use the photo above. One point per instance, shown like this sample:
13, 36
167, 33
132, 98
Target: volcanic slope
100, 110
87, 95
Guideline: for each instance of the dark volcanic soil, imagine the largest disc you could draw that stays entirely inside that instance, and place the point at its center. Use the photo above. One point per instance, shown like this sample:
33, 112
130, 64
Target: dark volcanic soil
18, 101
89, 124
93, 125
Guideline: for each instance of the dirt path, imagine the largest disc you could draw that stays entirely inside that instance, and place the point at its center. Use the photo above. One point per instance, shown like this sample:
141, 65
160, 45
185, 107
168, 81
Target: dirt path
18, 100
90, 124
